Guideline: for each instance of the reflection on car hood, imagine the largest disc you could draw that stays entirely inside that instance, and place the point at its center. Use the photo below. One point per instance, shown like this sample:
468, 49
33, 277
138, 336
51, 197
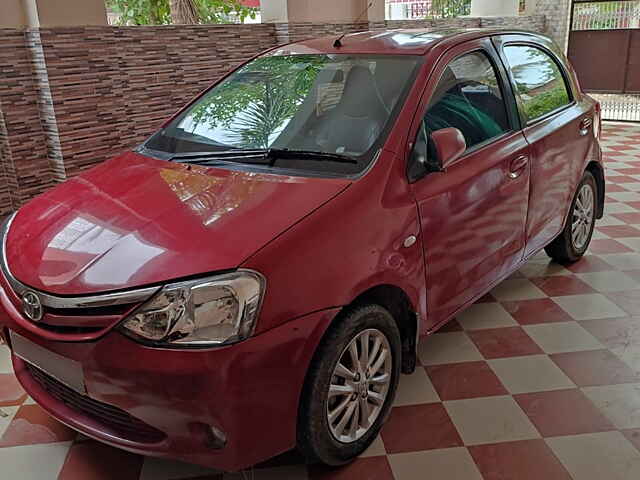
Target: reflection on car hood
134, 221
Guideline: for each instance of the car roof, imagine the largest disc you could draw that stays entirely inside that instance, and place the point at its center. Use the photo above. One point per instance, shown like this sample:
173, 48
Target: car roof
401, 41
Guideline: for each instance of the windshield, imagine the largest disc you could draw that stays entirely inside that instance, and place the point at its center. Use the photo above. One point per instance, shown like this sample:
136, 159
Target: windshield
337, 104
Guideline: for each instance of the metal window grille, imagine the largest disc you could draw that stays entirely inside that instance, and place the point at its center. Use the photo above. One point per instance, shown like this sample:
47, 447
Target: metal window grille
606, 15
414, 10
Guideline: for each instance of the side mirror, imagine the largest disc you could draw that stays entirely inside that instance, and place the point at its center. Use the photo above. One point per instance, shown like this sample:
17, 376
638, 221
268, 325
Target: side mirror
449, 144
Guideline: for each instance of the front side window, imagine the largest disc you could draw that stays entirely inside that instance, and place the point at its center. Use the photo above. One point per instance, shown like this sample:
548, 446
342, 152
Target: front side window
335, 104
468, 97
540, 85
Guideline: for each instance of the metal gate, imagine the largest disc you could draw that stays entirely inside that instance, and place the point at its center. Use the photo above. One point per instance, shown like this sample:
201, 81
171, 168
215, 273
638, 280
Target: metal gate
604, 47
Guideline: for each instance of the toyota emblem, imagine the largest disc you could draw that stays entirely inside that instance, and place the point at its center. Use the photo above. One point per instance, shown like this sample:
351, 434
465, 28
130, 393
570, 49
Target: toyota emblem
31, 306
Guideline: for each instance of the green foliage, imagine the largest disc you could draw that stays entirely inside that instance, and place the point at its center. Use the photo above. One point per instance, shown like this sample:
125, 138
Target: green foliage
450, 8
546, 102
157, 12
264, 94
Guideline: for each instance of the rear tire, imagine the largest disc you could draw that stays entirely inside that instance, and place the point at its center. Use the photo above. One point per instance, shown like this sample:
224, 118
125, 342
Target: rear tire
374, 332
573, 242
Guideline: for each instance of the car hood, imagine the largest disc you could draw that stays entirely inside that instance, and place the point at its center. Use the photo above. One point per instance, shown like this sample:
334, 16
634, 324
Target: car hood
136, 221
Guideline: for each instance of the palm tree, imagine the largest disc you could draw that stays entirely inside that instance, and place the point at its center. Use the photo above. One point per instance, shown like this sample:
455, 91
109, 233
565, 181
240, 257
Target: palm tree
184, 12
263, 117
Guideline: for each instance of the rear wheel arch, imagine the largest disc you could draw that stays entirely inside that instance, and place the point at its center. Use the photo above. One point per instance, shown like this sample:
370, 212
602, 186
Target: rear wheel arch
598, 173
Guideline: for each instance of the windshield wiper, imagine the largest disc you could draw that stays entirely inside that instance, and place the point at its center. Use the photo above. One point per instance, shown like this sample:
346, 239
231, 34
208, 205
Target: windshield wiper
266, 156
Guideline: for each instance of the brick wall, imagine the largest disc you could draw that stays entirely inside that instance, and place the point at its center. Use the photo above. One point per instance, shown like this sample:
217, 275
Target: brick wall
112, 86
24, 160
72, 97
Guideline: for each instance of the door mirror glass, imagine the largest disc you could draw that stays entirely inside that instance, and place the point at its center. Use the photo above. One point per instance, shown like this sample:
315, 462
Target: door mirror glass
449, 144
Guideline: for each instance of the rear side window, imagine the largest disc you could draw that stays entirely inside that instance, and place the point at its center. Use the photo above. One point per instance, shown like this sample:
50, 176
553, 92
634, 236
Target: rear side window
540, 85
468, 97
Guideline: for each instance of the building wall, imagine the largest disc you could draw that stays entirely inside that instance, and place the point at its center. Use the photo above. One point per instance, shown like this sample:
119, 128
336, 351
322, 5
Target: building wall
557, 13
73, 97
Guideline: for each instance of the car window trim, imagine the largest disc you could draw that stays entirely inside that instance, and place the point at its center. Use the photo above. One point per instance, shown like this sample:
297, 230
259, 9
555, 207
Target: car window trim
563, 72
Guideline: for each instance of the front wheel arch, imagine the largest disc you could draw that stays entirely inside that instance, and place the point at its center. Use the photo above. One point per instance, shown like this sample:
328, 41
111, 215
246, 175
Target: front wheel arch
397, 302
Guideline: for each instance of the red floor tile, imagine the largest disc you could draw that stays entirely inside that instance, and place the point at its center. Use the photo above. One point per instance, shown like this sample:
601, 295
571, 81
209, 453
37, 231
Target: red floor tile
591, 263
612, 188
504, 342
601, 246
419, 427
11, 392
92, 460
620, 231
539, 310
629, 171
628, 217
563, 412
621, 179
371, 468
32, 425
633, 436
595, 367
557, 286
628, 301
523, 460
620, 148
615, 332
457, 381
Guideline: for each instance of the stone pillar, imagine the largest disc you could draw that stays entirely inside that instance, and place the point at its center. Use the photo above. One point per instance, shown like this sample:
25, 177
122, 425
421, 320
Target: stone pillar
530, 7
558, 14
48, 13
494, 8
327, 11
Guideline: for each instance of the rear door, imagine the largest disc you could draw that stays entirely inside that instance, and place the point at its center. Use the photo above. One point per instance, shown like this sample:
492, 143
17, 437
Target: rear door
557, 124
473, 214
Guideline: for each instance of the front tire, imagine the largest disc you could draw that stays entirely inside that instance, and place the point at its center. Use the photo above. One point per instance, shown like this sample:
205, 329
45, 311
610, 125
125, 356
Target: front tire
350, 386
574, 240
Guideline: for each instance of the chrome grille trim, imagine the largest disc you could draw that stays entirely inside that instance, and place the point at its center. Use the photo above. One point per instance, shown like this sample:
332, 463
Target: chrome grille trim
53, 301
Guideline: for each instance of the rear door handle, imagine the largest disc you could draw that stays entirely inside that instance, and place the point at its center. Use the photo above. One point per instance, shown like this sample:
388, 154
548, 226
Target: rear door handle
585, 125
518, 165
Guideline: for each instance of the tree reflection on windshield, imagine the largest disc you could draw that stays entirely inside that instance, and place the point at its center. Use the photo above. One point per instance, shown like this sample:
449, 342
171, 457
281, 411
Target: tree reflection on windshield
259, 100
331, 104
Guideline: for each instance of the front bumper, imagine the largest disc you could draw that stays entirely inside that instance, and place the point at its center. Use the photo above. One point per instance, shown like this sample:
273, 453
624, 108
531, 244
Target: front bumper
249, 391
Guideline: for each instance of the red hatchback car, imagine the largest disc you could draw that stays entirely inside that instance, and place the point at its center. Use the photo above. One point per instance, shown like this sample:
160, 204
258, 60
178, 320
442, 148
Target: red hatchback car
255, 276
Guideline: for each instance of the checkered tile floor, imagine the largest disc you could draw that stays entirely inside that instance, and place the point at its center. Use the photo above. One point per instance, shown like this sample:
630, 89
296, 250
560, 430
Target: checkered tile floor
539, 380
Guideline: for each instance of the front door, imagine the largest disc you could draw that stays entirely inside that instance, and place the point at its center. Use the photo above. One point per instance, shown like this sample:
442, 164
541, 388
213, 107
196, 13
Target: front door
473, 214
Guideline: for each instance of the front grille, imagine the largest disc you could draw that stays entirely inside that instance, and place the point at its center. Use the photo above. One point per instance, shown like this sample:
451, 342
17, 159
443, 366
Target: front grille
119, 421
68, 330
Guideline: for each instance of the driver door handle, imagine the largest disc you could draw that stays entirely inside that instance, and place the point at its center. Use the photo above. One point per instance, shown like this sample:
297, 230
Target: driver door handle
518, 165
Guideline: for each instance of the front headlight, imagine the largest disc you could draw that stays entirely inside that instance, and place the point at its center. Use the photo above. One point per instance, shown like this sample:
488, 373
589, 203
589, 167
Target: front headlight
204, 312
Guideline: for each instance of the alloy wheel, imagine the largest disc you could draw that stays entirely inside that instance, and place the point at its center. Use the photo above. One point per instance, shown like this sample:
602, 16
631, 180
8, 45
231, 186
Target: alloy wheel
359, 385
582, 220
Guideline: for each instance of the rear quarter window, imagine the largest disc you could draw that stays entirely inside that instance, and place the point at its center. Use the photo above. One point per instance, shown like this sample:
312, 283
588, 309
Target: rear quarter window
540, 85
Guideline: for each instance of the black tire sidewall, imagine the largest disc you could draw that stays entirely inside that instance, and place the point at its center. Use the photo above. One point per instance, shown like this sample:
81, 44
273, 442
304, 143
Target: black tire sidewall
315, 439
